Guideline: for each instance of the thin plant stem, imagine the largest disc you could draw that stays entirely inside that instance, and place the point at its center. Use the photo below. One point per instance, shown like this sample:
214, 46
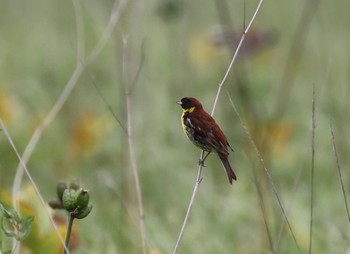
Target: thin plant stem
132, 154
188, 212
262, 162
235, 56
312, 170
69, 231
199, 174
304, 154
263, 211
339, 172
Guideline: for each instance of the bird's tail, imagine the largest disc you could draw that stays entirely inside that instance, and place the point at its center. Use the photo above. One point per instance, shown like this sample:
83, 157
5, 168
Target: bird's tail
230, 174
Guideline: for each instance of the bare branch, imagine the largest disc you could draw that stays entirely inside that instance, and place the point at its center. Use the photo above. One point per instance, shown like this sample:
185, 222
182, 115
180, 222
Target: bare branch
117, 9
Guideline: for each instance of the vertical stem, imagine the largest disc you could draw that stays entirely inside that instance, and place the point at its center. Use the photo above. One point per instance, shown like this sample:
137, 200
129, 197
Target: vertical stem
312, 169
132, 155
69, 231
136, 176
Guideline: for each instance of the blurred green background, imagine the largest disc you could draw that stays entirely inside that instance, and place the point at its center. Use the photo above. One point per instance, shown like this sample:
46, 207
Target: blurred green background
182, 48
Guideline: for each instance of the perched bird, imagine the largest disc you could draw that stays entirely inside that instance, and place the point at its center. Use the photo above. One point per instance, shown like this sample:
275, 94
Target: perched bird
203, 131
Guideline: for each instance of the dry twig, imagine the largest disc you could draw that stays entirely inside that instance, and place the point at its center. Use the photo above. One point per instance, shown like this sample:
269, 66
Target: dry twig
132, 155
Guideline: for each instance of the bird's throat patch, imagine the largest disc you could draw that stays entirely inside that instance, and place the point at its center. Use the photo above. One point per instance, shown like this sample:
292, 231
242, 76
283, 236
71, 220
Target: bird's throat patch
189, 110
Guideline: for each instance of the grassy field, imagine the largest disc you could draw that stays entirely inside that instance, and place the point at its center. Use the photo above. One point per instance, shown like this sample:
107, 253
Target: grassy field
156, 53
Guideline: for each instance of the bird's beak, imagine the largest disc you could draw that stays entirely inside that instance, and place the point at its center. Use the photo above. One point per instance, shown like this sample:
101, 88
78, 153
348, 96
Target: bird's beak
179, 102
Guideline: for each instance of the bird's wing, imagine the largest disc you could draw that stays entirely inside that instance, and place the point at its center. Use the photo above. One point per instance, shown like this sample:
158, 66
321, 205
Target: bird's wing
207, 132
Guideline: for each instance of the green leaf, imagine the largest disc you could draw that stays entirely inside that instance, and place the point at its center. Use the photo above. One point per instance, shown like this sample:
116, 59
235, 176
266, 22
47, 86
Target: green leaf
14, 226
25, 227
6, 211
7, 231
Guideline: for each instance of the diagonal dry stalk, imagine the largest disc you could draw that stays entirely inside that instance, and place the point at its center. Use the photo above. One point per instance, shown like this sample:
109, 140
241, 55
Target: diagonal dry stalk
235, 56
263, 211
199, 174
189, 209
37, 192
262, 162
339, 171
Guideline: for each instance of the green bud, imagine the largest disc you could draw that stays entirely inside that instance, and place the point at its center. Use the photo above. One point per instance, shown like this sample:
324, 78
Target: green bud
83, 212
82, 198
69, 200
61, 186
55, 204
74, 184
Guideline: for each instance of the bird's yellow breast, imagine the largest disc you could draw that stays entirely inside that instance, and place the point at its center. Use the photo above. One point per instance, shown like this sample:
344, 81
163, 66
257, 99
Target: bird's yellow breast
185, 111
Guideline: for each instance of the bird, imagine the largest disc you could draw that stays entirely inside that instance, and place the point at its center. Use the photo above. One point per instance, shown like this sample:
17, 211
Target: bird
202, 130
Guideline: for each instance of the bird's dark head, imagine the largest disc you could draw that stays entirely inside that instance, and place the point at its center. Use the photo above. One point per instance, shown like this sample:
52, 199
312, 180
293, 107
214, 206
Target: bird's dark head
189, 103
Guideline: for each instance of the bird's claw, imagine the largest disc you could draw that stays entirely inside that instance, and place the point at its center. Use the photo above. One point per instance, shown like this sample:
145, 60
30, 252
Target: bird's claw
201, 163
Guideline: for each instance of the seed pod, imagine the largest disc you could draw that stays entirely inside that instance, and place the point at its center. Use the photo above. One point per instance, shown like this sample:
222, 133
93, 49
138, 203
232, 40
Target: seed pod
61, 186
84, 212
74, 184
69, 200
56, 204
82, 198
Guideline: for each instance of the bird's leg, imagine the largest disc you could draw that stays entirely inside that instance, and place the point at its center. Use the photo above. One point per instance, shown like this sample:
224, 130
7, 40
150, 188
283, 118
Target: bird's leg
201, 161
